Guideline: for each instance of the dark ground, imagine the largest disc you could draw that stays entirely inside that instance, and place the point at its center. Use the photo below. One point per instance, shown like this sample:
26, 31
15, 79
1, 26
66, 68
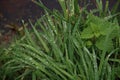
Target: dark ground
13, 11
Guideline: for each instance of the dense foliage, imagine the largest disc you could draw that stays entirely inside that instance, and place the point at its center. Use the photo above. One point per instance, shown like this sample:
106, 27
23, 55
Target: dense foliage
72, 44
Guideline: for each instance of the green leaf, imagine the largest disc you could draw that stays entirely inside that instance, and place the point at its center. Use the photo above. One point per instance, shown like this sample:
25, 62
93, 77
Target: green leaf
95, 29
87, 33
101, 42
89, 43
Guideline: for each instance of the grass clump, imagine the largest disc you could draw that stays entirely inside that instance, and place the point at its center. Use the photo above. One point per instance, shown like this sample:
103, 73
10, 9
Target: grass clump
70, 45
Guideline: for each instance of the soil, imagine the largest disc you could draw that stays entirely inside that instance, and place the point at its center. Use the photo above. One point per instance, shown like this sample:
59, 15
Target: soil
12, 12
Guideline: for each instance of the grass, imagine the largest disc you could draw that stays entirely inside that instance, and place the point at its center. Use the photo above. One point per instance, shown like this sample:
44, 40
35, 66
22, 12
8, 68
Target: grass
58, 47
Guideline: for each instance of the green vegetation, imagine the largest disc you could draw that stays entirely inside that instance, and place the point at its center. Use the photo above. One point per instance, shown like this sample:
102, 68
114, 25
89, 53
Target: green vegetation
73, 44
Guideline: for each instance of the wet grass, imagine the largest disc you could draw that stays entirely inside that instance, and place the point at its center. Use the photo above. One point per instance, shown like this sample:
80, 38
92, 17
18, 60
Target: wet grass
59, 48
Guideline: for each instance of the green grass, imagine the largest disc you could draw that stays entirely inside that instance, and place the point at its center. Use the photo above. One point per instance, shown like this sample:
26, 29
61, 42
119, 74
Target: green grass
70, 45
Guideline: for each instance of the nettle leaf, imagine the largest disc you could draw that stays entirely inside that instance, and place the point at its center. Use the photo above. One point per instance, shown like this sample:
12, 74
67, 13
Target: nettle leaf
102, 45
115, 32
117, 27
88, 43
104, 26
87, 33
95, 30
101, 24
98, 29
